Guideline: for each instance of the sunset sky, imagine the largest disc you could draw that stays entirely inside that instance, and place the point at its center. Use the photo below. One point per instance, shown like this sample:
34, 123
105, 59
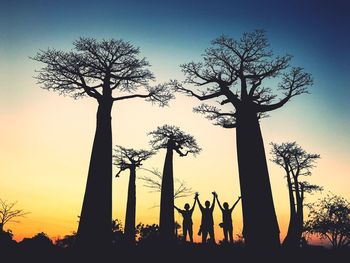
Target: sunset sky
46, 139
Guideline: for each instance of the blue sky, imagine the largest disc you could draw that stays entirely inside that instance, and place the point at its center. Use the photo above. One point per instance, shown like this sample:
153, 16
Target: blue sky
174, 32
314, 31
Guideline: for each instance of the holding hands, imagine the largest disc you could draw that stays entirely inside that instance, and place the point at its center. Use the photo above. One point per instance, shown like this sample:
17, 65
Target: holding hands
196, 195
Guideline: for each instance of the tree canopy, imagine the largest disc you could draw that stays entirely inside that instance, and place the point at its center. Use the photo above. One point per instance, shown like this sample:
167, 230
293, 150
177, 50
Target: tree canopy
125, 158
182, 143
99, 68
238, 72
294, 159
329, 218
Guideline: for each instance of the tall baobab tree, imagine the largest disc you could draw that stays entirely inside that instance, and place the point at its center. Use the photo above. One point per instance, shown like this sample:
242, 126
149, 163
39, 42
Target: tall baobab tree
8, 213
239, 74
130, 159
109, 71
172, 139
296, 162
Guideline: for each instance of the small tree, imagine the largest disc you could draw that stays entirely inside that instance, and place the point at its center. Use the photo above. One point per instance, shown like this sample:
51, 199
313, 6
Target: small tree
172, 139
329, 218
296, 162
8, 213
238, 74
181, 189
130, 159
108, 71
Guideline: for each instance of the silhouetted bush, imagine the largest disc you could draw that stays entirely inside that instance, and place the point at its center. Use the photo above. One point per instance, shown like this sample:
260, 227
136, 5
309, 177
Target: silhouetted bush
39, 241
147, 234
67, 241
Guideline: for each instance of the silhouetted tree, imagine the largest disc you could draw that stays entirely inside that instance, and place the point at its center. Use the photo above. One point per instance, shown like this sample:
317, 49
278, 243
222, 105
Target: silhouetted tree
296, 162
181, 189
130, 159
99, 70
172, 139
233, 73
329, 218
9, 213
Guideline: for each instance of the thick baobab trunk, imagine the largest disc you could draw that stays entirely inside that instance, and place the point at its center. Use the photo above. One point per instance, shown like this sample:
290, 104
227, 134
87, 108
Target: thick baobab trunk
167, 224
131, 208
95, 223
260, 222
290, 240
300, 213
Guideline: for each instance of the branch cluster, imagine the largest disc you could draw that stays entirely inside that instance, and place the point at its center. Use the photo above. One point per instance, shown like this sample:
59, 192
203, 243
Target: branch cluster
171, 136
235, 70
155, 184
96, 69
128, 158
9, 213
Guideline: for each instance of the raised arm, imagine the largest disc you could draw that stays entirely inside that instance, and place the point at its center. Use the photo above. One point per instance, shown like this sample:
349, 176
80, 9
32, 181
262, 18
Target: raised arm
217, 199
213, 204
178, 209
233, 207
199, 203
194, 204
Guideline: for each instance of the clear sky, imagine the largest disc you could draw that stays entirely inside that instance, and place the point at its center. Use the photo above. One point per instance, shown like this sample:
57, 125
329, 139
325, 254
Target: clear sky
45, 141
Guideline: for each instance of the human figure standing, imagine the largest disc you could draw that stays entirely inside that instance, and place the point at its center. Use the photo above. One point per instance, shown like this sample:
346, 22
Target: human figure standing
227, 226
207, 223
187, 219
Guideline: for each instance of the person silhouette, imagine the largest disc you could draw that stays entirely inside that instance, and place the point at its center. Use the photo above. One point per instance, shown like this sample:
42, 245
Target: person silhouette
226, 224
207, 223
187, 219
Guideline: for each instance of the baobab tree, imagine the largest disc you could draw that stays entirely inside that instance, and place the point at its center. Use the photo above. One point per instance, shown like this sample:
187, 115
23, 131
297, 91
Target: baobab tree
8, 213
109, 71
172, 139
296, 162
239, 76
130, 159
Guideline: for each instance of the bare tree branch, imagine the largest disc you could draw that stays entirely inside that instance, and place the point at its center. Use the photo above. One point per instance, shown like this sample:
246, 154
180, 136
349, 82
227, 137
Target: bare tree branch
155, 184
293, 84
224, 119
128, 158
8, 213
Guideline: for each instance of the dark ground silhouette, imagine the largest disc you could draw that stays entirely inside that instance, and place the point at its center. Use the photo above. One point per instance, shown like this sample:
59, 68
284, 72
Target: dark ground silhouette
40, 250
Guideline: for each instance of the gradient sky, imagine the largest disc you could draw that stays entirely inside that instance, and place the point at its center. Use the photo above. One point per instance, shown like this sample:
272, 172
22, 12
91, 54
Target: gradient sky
46, 139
